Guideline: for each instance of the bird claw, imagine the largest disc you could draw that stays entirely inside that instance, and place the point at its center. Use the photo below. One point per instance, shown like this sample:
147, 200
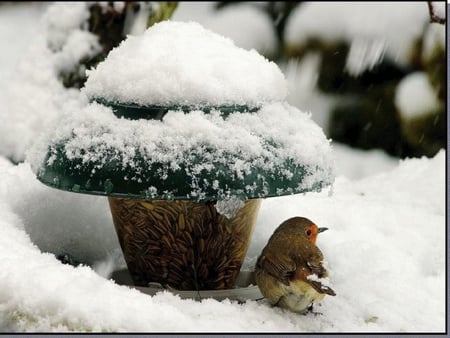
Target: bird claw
309, 309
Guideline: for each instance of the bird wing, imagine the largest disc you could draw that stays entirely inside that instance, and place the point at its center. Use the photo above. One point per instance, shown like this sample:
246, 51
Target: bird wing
321, 288
311, 266
280, 267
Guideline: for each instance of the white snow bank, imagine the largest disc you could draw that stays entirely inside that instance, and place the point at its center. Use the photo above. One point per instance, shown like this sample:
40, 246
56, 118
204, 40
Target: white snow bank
355, 164
35, 97
385, 250
184, 63
85, 230
32, 101
16, 21
61, 20
415, 96
376, 27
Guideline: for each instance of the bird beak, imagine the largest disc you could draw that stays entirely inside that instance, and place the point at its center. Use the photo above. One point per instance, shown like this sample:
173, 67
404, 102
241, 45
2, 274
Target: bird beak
321, 229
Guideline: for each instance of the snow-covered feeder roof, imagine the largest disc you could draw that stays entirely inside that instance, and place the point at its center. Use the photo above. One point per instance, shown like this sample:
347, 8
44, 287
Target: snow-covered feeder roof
277, 150
204, 120
182, 63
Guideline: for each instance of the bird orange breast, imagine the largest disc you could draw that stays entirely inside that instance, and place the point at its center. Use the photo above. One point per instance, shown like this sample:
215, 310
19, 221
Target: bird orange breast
301, 273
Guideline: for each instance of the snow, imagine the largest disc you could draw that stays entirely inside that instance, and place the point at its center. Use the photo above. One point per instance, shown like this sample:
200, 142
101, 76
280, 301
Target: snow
385, 27
414, 96
229, 207
385, 249
63, 19
263, 142
34, 93
439, 8
250, 29
137, 70
8, 16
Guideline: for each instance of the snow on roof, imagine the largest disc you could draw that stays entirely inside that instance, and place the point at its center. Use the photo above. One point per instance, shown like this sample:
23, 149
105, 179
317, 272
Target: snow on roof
184, 63
394, 24
240, 144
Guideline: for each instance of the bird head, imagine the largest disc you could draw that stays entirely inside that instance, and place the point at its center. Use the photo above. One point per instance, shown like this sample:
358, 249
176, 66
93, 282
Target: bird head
311, 232
303, 227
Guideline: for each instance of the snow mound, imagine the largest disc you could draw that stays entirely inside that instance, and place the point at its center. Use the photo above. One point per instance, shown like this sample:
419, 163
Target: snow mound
395, 221
184, 63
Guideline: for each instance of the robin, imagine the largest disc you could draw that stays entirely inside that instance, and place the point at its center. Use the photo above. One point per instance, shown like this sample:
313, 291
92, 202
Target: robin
289, 271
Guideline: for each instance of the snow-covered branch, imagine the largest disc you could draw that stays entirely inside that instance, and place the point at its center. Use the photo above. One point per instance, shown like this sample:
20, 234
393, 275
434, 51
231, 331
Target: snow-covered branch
435, 17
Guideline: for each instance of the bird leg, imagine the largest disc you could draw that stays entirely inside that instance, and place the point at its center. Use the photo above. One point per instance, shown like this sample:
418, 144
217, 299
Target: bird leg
309, 309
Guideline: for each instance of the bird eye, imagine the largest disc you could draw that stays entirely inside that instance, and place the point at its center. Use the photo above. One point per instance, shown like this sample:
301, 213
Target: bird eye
308, 232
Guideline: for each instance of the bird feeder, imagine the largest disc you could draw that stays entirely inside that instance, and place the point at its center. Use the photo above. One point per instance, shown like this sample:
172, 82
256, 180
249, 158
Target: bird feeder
185, 133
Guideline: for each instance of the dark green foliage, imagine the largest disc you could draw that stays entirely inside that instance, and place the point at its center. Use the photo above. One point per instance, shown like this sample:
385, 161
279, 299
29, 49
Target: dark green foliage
365, 116
369, 121
334, 79
436, 68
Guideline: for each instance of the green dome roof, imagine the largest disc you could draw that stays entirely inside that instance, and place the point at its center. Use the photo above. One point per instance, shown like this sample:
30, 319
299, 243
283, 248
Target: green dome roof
205, 154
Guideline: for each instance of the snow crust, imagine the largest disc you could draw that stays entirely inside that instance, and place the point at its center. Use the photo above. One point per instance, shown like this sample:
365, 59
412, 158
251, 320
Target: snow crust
184, 63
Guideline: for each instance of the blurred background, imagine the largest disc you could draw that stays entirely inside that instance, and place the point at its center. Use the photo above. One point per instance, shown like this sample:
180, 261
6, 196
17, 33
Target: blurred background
372, 74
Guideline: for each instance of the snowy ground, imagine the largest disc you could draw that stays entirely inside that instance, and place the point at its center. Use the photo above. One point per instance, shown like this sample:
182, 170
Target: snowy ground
385, 250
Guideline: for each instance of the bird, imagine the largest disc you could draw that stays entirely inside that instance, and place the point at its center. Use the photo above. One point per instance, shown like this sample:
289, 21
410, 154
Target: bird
289, 271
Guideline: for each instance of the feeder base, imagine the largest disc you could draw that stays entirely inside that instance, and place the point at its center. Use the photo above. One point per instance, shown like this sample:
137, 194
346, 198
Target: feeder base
245, 288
